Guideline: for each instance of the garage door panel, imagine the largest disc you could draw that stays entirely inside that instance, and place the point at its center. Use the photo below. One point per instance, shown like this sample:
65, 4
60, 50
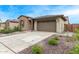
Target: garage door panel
46, 26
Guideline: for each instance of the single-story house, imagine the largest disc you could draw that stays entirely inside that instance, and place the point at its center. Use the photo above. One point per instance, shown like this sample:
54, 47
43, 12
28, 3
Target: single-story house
11, 24
50, 23
2, 25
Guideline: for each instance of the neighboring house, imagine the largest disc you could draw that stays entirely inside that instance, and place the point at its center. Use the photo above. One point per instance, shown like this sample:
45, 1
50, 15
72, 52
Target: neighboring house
2, 25
11, 24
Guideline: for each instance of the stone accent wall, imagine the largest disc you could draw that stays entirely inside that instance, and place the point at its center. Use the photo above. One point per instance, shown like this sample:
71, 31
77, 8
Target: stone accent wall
27, 23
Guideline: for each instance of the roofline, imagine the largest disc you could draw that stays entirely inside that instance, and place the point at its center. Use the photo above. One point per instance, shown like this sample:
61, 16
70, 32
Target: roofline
23, 16
62, 16
13, 21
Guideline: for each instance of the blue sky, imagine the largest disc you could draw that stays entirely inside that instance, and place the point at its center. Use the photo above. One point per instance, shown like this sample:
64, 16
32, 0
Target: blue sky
13, 11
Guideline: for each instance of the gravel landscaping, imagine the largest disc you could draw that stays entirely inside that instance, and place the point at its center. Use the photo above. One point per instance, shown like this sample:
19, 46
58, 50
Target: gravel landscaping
65, 44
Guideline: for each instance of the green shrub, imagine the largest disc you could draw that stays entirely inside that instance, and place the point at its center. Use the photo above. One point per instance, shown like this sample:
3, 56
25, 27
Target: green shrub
77, 30
76, 35
6, 31
53, 41
75, 49
37, 49
56, 38
17, 28
9, 30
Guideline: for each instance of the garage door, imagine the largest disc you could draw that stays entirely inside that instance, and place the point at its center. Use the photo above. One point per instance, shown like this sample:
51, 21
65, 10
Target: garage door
46, 26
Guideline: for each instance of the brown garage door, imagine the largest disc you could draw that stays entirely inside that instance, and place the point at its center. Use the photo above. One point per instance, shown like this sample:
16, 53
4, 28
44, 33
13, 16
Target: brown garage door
46, 26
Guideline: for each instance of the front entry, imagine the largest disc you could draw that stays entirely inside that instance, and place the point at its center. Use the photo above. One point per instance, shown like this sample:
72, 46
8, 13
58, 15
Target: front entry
21, 24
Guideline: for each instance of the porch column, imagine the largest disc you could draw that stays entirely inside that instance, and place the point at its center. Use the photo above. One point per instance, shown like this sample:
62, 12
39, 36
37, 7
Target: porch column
35, 25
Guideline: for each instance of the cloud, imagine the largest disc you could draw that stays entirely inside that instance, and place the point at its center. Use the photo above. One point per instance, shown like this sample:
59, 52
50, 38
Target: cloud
42, 10
71, 12
9, 14
3, 16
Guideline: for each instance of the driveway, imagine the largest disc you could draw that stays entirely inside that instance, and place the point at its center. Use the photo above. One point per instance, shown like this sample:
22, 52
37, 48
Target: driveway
16, 43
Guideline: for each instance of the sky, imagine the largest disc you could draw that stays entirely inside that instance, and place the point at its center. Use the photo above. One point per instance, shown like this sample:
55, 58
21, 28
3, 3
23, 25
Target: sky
14, 11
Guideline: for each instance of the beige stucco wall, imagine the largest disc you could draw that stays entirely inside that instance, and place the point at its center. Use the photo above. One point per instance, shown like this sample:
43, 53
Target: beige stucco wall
35, 25
12, 25
67, 22
2, 26
59, 25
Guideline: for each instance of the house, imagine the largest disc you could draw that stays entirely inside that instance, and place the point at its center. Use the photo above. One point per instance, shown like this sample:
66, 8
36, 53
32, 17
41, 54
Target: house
11, 24
50, 23
2, 25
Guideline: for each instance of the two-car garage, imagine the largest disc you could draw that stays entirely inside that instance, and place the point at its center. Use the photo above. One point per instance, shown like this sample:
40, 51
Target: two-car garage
49, 26
50, 23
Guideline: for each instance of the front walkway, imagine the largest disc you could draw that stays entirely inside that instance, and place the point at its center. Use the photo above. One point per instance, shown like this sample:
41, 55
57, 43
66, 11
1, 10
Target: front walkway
16, 43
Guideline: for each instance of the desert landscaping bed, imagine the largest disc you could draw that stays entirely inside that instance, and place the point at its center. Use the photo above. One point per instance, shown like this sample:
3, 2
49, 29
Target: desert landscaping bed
65, 44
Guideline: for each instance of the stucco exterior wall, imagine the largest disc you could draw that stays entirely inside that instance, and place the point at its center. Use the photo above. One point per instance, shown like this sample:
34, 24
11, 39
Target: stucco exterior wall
66, 22
59, 25
35, 25
2, 26
12, 25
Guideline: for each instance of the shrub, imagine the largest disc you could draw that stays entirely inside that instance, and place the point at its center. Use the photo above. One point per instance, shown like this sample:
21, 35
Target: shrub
75, 49
56, 38
53, 41
76, 35
9, 30
6, 31
17, 28
37, 49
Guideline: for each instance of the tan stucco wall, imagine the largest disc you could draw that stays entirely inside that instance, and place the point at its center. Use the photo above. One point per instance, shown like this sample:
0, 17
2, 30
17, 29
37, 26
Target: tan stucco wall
2, 26
35, 25
67, 22
59, 25
12, 25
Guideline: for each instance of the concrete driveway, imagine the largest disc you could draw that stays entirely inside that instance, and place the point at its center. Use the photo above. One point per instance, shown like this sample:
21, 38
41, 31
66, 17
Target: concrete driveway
16, 43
